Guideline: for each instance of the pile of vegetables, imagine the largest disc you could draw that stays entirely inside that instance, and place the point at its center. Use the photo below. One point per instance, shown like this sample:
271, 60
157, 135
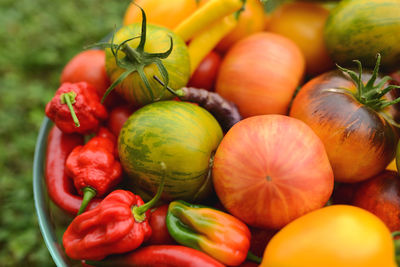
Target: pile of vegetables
211, 133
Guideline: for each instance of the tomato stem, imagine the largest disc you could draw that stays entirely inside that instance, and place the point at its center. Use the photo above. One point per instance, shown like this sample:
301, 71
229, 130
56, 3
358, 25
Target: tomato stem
370, 94
136, 59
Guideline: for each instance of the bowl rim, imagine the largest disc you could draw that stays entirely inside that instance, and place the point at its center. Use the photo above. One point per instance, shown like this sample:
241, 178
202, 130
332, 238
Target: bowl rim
46, 229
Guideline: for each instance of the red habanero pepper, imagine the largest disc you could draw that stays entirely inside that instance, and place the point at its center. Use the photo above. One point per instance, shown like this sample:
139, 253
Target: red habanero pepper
118, 224
94, 167
59, 185
73, 102
161, 256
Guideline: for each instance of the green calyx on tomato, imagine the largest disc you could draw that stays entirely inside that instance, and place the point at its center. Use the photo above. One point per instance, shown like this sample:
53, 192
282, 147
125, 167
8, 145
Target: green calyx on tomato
136, 59
369, 94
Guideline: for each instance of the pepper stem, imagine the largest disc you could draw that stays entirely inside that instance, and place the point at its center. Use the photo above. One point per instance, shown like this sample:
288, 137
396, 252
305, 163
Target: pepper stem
88, 194
69, 99
139, 212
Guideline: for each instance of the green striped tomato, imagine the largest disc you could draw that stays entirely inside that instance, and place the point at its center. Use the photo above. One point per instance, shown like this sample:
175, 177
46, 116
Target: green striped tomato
183, 136
359, 29
177, 64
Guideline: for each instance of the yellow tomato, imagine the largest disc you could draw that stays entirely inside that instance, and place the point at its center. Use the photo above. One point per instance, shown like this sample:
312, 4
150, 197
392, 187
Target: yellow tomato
160, 12
338, 235
251, 20
303, 23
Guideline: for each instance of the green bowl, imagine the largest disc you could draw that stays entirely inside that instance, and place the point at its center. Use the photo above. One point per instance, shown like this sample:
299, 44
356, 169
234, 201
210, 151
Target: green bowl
52, 220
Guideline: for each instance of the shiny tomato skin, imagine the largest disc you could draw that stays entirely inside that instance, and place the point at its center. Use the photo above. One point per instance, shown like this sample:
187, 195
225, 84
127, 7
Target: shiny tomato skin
381, 196
206, 73
117, 117
359, 142
159, 234
303, 23
260, 74
270, 169
337, 235
251, 20
160, 12
88, 66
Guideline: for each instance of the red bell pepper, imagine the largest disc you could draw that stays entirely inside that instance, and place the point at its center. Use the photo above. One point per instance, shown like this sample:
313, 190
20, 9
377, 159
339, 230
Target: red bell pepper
94, 167
74, 102
161, 256
118, 224
59, 186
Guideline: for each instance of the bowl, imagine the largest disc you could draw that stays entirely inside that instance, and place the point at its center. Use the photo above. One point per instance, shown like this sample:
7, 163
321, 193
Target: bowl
52, 220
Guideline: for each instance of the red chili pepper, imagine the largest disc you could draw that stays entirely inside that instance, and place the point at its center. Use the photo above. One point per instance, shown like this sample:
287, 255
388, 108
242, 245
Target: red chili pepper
161, 256
94, 167
118, 224
59, 185
73, 102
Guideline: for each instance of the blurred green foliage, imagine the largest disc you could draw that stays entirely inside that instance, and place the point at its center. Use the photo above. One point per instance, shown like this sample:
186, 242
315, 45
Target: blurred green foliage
37, 39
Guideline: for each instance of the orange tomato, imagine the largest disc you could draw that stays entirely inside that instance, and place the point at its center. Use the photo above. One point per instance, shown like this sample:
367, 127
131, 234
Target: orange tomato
303, 23
260, 74
251, 20
160, 12
338, 235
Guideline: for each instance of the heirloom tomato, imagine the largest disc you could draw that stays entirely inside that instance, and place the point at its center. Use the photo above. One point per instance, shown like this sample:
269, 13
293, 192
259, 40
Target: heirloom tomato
138, 52
183, 136
380, 195
271, 169
358, 29
160, 12
303, 23
350, 118
260, 74
337, 235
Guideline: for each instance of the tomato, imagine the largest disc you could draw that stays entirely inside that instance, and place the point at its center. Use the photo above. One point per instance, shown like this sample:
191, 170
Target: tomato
360, 143
260, 74
117, 117
251, 20
270, 169
380, 195
303, 23
160, 12
206, 73
158, 40
359, 29
159, 231
338, 235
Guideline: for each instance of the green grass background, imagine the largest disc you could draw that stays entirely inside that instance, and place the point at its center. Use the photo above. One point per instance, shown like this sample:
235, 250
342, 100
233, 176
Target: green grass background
37, 39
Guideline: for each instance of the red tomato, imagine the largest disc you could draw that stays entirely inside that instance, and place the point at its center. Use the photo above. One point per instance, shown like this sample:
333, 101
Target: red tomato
380, 195
269, 170
206, 73
159, 234
118, 117
303, 23
88, 66
260, 74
